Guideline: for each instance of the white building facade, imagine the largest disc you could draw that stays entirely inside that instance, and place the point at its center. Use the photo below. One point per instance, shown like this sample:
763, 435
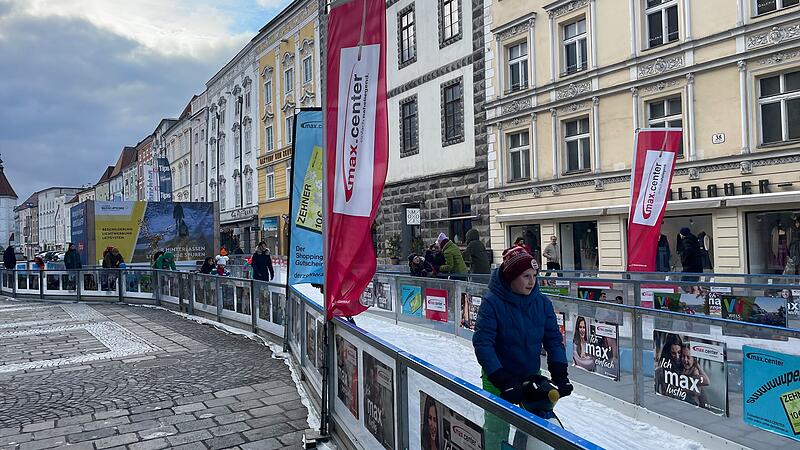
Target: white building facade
178, 147
199, 152
233, 149
53, 217
8, 201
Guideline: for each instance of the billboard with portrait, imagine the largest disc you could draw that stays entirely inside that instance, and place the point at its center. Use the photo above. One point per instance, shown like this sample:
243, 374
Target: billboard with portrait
595, 347
379, 400
443, 428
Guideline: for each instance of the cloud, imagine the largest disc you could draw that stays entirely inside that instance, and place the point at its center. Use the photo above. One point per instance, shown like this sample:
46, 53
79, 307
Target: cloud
74, 91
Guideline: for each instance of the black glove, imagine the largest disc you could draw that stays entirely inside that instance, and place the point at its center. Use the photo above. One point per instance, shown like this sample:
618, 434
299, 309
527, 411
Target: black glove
540, 393
558, 372
510, 390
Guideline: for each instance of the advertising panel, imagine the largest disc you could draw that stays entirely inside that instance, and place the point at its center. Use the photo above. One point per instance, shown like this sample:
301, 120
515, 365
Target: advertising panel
79, 230
443, 428
412, 301
553, 286
436, 304
595, 347
347, 374
691, 369
771, 391
469, 310
379, 400
761, 310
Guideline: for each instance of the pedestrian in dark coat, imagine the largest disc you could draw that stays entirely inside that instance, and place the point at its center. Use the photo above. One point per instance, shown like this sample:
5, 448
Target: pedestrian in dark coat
72, 260
113, 259
435, 257
262, 263
419, 267
691, 259
208, 265
515, 321
9, 258
663, 255
475, 255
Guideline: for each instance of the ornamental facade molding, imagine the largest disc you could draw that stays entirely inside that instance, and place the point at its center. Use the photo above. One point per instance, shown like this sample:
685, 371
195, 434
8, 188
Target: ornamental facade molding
306, 47
567, 8
777, 58
774, 36
574, 90
307, 97
660, 86
662, 65
574, 107
516, 106
514, 30
267, 73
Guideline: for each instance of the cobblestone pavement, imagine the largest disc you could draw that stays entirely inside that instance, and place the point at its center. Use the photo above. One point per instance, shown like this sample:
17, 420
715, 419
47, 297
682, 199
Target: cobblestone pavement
84, 376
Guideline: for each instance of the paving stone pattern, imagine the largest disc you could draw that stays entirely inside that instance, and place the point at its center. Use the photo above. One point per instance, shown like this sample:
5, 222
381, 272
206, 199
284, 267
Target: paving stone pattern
179, 385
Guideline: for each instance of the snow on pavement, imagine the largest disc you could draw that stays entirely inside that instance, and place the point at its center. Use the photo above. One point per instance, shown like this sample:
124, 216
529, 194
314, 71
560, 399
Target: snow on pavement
589, 419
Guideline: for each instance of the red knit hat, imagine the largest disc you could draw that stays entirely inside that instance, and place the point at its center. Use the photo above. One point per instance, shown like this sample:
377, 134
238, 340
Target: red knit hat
516, 261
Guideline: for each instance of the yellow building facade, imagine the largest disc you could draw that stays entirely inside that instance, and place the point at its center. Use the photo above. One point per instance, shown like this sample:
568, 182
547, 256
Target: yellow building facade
569, 82
287, 51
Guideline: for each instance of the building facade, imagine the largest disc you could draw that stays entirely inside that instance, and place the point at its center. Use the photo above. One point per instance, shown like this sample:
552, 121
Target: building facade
288, 70
133, 174
437, 176
199, 122
569, 82
102, 188
119, 185
8, 202
232, 151
144, 164
27, 216
179, 154
52, 216
158, 149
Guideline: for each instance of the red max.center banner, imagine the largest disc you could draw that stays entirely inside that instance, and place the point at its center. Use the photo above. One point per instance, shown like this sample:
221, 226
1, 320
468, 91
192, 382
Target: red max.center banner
357, 142
651, 177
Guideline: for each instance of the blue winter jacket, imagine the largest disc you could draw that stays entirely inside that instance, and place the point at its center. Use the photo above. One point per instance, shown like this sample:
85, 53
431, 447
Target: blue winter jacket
511, 330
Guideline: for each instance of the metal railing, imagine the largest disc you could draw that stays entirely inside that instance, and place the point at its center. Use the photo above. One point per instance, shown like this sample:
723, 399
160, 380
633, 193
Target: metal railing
390, 296
376, 390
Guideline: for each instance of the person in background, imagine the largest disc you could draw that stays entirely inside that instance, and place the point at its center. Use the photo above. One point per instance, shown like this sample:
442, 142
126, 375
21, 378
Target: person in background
157, 255
39, 262
475, 255
112, 259
691, 260
520, 242
553, 256
515, 321
453, 261
208, 265
419, 267
9, 258
663, 255
166, 262
434, 257
72, 260
238, 251
262, 263
222, 262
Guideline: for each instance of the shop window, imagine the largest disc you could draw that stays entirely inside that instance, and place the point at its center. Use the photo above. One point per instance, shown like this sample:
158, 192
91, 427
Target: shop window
518, 156
779, 103
765, 6
662, 22
576, 144
461, 218
532, 235
407, 36
669, 257
773, 242
575, 47
666, 113
517, 66
579, 246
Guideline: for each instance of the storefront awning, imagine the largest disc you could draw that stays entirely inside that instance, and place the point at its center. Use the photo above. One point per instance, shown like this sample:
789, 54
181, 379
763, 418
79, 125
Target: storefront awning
763, 199
554, 214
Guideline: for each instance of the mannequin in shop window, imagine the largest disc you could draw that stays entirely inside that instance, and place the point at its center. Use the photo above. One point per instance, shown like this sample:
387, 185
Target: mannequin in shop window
589, 251
663, 255
778, 247
705, 247
793, 263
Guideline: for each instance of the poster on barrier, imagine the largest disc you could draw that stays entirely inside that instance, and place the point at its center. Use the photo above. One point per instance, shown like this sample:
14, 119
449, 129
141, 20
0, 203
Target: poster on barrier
760, 310
553, 286
436, 304
691, 369
771, 391
443, 428
561, 318
311, 339
648, 290
412, 301
682, 303
469, 310
595, 347
320, 346
368, 296
347, 374
603, 292
379, 400
383, 295
792, 297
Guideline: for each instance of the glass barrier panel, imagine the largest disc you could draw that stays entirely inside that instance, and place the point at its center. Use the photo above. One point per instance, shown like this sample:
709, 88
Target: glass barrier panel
146, 283
228, 295
428, 302
132, 282
469, 298
314, 345
90, 283
22, 281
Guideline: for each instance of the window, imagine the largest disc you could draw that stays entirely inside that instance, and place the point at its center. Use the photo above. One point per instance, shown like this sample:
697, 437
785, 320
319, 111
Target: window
289, 122
222, 150
307, 70
576, 142
268, 139
247, 139
248, 188
288, 179
288, 80
196, 138
460, 207
247, 100
779, 104
222, 194
407, 39
575, 54
237, 194
222, 118
267, 92
270, 182
450, 21
666, 113
518, 66
203, 135
202, 171
409, 137
237, 109
662, 22
452, 112
765, 6
518, 156
237, 147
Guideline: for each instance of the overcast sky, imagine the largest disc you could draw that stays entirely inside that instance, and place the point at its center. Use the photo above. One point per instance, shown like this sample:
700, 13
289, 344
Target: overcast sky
81, 79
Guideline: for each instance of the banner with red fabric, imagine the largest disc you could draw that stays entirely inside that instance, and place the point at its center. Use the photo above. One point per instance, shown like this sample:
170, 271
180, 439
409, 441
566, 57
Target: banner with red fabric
655, 152
357, 144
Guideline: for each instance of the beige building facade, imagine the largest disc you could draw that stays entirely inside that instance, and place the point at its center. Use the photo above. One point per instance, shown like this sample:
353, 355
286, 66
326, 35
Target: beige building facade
569, 82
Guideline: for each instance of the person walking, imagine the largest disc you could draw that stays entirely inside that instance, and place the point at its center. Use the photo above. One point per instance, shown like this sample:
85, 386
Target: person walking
475, 255
10, 258
691, 260
453, 261
72, 260
262, 263
166, 261
515, 321
553, 256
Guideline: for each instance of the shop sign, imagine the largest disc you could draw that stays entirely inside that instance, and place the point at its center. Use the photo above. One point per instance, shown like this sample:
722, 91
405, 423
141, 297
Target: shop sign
269, 224
413, 216
715, 190
238, 214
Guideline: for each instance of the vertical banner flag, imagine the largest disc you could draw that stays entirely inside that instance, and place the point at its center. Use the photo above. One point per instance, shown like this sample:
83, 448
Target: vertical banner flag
164, 180
305, 222
651, 176
357, 143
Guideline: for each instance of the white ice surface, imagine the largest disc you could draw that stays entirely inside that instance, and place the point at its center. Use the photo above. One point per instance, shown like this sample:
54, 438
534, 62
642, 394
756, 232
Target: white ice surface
589, 419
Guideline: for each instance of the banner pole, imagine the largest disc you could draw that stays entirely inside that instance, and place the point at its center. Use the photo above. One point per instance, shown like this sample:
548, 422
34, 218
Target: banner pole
323, 11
